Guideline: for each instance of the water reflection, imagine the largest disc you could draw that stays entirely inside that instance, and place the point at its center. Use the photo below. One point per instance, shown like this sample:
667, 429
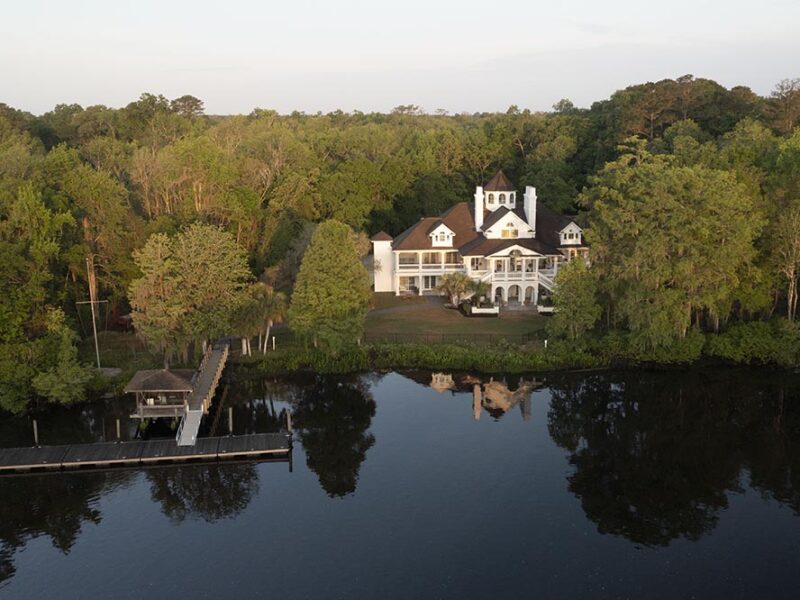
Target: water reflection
333, 416
655, 457
55, 506
208, 492
496, 397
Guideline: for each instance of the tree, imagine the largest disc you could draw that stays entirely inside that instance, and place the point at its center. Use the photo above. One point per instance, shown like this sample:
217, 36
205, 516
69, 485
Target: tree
672, 245
66, 380
455, 285
332, 293
155, 297
263, 307
575, 301
785, 104
786, 254
192, 287
187, 106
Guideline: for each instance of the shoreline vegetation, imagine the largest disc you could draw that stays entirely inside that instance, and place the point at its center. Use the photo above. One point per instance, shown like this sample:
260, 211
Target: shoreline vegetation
770, 344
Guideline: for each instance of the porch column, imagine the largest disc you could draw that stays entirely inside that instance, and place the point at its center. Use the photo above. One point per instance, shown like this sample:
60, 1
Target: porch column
419, 274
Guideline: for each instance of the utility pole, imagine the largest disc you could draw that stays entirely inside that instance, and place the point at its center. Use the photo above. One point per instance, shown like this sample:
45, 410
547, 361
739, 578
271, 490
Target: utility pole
92, 301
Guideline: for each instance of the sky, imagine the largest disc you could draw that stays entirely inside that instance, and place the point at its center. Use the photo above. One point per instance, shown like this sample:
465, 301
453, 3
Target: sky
309, 55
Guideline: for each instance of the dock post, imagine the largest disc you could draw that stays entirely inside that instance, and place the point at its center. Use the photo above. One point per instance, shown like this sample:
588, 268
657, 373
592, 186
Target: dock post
35, 433
273, 342
289, 422
118, 431
230, 420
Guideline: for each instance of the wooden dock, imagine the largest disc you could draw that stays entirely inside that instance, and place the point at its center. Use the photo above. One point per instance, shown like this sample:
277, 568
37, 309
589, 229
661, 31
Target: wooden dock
142, 453
199, 400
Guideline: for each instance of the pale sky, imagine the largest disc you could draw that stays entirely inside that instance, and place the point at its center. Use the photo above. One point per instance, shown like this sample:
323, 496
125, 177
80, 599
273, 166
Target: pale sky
309, 55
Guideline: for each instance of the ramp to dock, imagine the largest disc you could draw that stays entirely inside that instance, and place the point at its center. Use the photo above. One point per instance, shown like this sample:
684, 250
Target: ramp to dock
203, 392
142, 453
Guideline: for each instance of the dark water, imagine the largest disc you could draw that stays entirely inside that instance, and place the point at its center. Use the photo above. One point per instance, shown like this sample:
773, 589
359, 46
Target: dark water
621, 485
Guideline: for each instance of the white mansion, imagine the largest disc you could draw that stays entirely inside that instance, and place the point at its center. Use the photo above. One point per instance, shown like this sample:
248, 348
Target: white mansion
515, 247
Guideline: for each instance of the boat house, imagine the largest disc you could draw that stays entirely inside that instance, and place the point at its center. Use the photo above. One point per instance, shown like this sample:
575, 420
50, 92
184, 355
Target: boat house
161, 392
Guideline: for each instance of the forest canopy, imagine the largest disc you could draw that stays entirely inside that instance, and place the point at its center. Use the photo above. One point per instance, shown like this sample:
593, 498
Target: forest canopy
681, 163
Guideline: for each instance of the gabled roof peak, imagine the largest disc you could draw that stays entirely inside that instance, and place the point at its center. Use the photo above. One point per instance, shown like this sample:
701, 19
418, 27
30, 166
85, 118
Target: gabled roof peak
499, 183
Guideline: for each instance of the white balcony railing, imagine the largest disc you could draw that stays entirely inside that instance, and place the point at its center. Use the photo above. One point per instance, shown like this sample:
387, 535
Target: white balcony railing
448, 268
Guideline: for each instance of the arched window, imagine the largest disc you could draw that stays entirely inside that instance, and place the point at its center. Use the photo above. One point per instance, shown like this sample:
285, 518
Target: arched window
491, 198
502, 198
510, 231
511, 197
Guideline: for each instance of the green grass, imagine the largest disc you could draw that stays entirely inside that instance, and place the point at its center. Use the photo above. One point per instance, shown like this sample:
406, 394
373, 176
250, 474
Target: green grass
382, 300
427, 317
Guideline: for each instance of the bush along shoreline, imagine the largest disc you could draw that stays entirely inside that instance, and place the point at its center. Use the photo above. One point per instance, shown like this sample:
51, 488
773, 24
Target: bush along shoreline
775, 343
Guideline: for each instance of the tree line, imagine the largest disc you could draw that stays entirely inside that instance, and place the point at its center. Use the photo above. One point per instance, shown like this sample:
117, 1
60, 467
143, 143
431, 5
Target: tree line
125, 190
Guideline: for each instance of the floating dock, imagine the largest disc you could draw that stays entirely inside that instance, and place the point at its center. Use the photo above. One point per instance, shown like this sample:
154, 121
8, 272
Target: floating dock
143, 453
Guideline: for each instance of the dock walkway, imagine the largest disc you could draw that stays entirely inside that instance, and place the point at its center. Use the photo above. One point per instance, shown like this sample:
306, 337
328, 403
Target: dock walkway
141, 453
203, 390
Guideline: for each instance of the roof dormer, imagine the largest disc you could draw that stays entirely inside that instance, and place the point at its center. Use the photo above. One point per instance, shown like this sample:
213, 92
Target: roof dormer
571, 235
442, 236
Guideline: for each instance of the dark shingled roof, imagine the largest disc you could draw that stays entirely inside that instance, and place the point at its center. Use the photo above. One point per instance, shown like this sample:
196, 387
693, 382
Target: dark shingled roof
381, 236
499, 183
485, 247
501, 212
458, 218
161, 380
469, 242
549, 223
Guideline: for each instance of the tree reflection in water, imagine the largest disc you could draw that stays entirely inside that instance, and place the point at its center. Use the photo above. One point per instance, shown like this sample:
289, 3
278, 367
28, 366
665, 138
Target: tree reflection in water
208, 492
654, 457
56, 506
332, 416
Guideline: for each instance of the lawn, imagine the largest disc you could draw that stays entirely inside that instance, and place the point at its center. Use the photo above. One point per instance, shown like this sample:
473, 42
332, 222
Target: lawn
427, 315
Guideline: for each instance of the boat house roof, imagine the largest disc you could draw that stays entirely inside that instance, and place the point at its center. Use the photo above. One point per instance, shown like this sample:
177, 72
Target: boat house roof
161, 380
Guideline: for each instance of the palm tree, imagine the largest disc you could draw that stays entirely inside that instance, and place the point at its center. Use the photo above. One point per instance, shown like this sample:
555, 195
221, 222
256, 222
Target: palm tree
263, 307
455, 285
271, 310
479, 289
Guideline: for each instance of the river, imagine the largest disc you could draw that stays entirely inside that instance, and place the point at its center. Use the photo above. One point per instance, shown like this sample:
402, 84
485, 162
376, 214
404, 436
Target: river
679, 484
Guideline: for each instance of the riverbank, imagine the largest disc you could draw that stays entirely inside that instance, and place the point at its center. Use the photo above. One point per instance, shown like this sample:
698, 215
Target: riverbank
774, 343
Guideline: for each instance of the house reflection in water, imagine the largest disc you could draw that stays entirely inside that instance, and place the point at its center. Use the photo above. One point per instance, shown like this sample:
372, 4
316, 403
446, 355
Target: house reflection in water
497, 399
442, 382
494, 396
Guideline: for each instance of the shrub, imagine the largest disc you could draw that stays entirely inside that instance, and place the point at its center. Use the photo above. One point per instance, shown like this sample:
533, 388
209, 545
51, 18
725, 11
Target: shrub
758, 342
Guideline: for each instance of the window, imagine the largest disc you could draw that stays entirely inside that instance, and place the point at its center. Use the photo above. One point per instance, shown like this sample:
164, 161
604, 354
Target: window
429, 282
491, 198
451, 258
502, 198
475, 263
442, 237
511, 197
510, 233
